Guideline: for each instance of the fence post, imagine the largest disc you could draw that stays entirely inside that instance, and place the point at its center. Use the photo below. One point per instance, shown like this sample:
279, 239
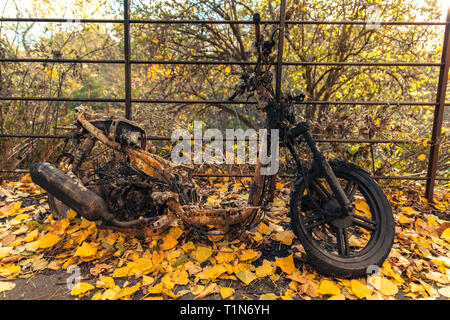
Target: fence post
280, 50
438, 112
278, 75
126, 48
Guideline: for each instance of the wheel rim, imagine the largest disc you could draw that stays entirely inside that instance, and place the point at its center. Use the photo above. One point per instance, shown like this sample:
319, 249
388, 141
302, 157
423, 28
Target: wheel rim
339, 238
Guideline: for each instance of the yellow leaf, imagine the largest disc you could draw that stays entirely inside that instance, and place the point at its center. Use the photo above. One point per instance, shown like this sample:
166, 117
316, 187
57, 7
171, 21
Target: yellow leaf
337, 297
169, 242
140, 266
297, 276
446, 235
5, 286
48, 240
14, 208
227, 69
402, 218
4, 252
85, 223
157, 257
86, 250
121, 272
180, 277
287, 295
167, 282
225, 257
246, 276
31, 236
81, 288
211, 288
310, 288
267, 296
279, 203
97, 296
445, 291
422, 157
71, 214
21, 217
126, 292
363, 207
105, 282
265, 269
196, 290
285, 237
248, 255
226, 292
146, 280
286, 264
328, 287
258, 237
383, 285
214, 272
203, 253
408, 210
263, 228
10, 271
188, 246
359, 289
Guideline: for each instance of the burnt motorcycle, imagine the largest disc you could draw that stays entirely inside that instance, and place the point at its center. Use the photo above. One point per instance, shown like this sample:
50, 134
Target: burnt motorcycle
339, 213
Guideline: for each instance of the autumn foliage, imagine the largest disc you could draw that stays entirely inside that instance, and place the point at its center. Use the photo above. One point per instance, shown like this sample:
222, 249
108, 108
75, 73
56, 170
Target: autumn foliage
265, 262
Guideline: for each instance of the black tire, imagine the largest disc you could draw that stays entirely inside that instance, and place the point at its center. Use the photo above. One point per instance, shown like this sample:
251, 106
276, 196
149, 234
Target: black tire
318, 231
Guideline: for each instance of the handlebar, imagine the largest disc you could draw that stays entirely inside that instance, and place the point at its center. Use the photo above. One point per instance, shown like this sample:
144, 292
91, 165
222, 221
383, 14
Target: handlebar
263, 48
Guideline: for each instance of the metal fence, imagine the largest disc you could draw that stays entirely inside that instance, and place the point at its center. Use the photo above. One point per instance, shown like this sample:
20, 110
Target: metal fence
128, 100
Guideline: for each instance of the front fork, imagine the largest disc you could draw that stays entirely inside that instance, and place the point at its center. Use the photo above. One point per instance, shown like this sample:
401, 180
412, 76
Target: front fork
321, 162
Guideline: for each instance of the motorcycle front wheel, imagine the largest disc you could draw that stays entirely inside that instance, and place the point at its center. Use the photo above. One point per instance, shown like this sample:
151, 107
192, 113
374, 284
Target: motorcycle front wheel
345, 247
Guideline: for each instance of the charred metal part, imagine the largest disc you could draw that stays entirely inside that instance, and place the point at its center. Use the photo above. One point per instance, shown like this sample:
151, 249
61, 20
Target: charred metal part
145, 193
77, 197
82, 152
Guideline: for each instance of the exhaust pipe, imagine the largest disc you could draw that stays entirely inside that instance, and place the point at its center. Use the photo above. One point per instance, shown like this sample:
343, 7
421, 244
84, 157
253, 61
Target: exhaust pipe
77, 197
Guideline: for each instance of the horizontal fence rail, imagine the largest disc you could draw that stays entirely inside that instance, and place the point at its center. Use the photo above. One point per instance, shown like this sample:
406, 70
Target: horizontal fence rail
238, 63
128, 100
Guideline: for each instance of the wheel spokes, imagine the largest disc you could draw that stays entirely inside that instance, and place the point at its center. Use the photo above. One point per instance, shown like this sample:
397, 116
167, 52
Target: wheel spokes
314, 222
350, 189
342, 242
364, 222
321, 189
342, 238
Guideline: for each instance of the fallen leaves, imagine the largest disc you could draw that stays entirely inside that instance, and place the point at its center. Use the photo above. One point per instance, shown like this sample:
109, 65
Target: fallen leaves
328, 287
81, 288
360, 289
202, 253
226, 292
172, 264
49, 240
285, 237
286, 264
446, 235
265, 269
6, 285
246, 276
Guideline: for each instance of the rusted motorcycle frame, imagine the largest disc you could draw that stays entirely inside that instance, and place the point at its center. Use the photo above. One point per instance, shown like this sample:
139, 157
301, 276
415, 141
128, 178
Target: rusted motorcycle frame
165, 180
138, 190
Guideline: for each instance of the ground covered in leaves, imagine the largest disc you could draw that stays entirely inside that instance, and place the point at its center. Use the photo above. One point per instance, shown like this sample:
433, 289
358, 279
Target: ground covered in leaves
41, 258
